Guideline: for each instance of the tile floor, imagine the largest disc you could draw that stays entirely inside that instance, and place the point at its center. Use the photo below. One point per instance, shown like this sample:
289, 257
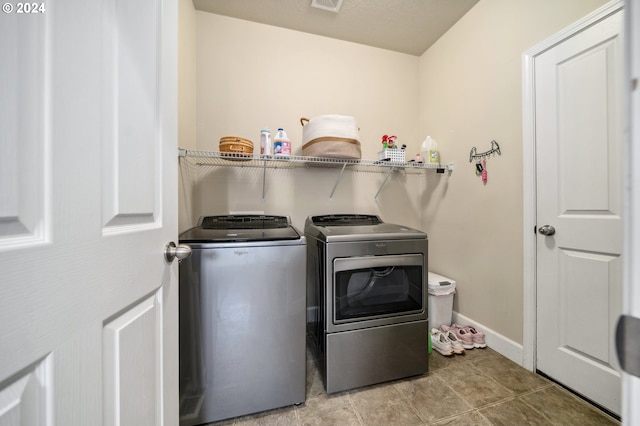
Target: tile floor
478, 388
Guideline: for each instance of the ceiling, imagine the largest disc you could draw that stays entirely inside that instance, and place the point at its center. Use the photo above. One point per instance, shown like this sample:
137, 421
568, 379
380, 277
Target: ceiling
406, 26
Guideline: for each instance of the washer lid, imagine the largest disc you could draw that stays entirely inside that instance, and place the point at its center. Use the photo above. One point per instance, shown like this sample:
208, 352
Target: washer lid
247, 221
240, 228
345, 220
335, 228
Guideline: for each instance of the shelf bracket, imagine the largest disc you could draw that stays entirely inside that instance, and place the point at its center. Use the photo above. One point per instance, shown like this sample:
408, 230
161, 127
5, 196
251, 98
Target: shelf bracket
264, 178
383, 182
344, 165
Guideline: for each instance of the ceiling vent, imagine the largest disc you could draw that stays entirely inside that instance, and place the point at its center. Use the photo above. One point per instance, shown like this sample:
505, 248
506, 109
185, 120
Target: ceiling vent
330, 5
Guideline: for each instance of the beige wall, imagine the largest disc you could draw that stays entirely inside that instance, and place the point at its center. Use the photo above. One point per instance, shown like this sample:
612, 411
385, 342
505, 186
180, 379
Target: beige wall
251, 76
464, 91
186, 101
470, 93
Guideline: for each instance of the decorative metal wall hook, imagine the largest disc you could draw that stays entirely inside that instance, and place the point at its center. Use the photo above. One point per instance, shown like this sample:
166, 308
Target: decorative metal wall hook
495, 148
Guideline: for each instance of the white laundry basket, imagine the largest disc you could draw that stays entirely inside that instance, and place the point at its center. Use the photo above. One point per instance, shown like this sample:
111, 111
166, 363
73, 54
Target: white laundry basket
441, 291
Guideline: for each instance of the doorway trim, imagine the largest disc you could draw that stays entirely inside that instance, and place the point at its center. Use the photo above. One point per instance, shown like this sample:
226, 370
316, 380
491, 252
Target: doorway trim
529, 343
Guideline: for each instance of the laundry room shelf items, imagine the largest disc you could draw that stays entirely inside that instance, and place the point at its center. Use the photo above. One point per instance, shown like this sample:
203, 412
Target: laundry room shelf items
222, 159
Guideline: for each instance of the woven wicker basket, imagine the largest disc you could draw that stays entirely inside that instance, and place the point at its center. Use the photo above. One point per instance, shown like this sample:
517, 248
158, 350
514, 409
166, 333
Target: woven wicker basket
235, 146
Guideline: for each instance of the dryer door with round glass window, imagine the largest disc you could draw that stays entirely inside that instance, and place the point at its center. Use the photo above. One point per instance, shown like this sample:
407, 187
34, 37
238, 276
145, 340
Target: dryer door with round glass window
375, 287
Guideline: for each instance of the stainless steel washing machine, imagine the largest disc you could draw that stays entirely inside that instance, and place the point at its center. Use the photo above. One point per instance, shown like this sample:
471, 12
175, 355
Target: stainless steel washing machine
366, 299
242, 317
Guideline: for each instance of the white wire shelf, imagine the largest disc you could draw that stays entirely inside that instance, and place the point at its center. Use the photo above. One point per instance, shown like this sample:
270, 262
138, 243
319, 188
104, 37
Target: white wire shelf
223, 159
214, 158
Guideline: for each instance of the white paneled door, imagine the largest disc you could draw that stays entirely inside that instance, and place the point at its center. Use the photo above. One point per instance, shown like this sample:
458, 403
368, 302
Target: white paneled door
578, 138
88, 193
631, 383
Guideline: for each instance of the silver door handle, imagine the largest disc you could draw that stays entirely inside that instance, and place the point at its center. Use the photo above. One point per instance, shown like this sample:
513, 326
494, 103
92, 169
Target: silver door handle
628, 344
547, 230
171, 251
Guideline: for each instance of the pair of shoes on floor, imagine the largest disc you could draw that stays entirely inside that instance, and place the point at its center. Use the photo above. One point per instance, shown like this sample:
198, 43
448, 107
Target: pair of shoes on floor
445, 343
469, 336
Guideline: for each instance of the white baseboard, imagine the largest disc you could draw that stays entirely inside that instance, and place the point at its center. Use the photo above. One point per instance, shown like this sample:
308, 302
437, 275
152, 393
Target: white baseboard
504, 346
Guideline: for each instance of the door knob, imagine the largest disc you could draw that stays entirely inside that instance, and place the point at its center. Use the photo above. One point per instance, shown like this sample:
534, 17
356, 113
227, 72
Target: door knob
628, 345
547, 230
171, 251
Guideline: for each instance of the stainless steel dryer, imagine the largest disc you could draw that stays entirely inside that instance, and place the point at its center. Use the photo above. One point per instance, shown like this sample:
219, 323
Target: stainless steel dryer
242, 317
366, 299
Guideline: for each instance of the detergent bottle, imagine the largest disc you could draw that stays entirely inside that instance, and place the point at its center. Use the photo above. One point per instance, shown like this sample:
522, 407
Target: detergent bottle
281, 143
429, 150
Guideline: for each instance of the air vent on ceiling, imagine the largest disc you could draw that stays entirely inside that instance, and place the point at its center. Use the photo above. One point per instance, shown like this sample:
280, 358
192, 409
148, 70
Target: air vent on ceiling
330, 5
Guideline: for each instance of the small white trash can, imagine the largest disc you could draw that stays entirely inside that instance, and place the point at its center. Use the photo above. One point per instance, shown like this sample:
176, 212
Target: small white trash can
441, 291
